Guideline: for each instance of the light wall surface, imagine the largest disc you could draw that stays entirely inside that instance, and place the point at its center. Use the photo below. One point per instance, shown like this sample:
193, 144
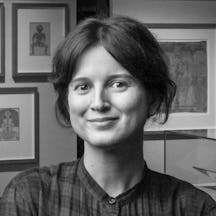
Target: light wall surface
167, 11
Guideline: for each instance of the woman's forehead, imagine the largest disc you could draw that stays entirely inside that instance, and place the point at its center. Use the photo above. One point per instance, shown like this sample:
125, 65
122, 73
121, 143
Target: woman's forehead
98, 62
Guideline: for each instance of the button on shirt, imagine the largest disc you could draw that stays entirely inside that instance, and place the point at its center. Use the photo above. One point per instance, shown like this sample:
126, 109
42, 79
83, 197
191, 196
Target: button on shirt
112, 201
68, 190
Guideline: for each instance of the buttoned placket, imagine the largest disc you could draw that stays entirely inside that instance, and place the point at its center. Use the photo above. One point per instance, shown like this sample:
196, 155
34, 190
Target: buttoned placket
111, 207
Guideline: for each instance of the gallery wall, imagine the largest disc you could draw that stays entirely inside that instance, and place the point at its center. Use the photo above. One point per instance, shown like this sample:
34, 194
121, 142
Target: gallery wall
56, 144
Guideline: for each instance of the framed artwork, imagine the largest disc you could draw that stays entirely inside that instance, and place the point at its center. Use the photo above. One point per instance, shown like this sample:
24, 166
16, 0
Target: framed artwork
37, 30
2, 43
190, 52
19, 128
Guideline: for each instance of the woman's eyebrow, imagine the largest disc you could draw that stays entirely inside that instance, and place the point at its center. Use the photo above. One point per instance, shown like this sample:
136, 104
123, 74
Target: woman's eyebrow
79, 79
109, 77
127, 76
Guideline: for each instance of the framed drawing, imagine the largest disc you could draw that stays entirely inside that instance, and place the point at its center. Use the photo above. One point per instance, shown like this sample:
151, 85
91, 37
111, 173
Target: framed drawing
190, 52
19, 128
2, 44
37, 30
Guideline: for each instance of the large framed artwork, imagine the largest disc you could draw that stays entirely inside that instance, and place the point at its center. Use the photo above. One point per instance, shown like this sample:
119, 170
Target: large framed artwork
37, 30
2, 43
19, 128
190, 53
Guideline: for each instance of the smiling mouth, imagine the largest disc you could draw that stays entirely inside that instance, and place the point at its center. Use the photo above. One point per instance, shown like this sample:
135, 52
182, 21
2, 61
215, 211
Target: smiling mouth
104, 123
104, 119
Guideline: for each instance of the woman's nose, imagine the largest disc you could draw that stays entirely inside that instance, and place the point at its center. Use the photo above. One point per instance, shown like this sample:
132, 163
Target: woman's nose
100, 101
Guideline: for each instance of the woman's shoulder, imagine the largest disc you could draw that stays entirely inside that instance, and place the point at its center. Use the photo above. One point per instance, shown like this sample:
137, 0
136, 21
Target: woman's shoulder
37, 177
182, 192
172, 184
30, 188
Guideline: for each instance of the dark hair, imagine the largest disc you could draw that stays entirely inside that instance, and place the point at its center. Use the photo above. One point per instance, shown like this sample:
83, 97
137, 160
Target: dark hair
131, 44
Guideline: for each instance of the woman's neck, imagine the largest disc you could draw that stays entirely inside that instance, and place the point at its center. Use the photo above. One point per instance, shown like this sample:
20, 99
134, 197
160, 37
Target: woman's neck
116, 170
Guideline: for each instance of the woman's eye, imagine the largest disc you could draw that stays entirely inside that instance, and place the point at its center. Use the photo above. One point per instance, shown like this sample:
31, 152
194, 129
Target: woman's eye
119, 85
82, 88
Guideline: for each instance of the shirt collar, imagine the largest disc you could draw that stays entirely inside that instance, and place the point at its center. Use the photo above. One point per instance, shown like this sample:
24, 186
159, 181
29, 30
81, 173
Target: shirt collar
92, 186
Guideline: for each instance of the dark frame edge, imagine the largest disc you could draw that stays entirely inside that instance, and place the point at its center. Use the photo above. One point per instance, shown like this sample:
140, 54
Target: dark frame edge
32, 77
2, 75
67, 20
181, 25
37, 125
14, 40
14, 167
162, 135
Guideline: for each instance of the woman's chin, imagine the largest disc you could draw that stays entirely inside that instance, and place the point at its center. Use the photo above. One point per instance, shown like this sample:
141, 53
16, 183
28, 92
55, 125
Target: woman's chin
102, 142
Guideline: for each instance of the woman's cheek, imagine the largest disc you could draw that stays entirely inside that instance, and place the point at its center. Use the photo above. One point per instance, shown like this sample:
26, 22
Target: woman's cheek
127, 101
76, 104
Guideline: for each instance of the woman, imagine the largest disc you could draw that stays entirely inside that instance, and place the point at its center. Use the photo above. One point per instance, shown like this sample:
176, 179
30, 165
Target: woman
110, 77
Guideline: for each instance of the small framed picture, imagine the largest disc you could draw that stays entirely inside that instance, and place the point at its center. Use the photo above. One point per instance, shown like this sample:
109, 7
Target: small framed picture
2, 44
19, 128
37, 30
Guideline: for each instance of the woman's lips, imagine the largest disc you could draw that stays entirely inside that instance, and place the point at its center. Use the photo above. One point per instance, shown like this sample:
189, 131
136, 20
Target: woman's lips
103, 122
103, 119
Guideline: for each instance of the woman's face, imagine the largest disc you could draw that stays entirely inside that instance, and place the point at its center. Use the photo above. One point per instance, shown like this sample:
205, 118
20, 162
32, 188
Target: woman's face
107, 105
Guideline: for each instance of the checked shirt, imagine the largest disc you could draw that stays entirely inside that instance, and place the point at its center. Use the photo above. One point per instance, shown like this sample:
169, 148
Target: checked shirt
68, 190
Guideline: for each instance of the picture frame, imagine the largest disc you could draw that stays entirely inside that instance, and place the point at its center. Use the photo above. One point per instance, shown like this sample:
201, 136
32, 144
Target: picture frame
19, 128
191, 36
2, 43
37, 30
